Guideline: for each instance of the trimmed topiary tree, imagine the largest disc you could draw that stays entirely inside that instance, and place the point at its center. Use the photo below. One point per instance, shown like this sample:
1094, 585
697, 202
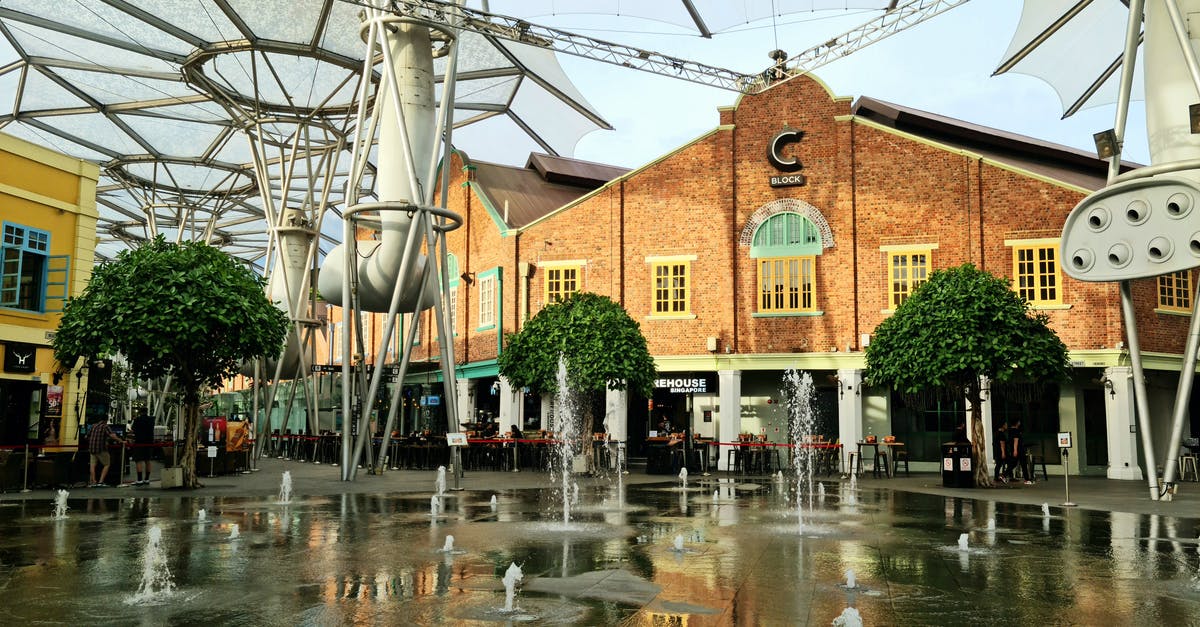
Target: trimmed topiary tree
960, 325
603, 347
186, 310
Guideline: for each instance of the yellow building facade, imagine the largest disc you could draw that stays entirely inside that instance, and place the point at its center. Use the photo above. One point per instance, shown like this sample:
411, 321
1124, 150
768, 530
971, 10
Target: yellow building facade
47, 249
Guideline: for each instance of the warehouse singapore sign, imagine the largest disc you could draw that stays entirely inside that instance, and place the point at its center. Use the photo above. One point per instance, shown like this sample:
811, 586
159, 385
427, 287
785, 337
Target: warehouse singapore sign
684, 385
790, 165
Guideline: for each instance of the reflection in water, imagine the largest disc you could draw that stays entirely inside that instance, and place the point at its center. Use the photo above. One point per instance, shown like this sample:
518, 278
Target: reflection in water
374, 559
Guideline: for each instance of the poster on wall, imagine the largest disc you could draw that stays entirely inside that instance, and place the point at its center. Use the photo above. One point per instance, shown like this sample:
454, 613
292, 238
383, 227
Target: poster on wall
53, 414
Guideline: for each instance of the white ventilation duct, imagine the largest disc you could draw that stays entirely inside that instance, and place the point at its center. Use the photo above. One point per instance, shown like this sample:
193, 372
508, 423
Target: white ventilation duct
379, 260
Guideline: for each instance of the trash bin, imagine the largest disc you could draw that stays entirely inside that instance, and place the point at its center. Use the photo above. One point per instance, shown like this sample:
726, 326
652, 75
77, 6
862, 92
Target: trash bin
958, 470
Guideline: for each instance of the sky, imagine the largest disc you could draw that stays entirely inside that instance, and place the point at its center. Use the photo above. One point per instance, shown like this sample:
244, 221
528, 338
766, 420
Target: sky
942, 66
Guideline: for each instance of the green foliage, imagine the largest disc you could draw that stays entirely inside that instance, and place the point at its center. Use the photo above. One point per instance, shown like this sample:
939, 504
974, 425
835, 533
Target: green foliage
959, 325
603, 346
187, 309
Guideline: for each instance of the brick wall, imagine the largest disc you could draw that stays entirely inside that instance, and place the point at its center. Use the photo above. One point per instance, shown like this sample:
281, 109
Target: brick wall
873, 186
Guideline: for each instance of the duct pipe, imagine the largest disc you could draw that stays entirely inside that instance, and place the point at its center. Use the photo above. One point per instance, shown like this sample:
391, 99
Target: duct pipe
379, 261
286, 286
1172, 84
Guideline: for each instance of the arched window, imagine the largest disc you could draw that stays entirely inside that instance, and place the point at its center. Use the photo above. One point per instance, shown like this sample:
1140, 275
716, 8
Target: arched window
786, 247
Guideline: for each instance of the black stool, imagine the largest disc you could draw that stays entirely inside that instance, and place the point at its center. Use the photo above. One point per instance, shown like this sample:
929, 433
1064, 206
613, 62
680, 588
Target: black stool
881, 456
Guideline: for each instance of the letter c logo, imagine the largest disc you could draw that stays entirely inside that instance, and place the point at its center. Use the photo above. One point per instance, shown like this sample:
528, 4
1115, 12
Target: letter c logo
781, 163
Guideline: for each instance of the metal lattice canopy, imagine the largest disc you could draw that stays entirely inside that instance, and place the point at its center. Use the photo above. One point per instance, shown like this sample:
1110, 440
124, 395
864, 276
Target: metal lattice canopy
194, 107
210, 118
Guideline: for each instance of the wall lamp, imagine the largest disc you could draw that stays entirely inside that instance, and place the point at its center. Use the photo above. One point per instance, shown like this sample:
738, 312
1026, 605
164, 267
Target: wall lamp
857, 389
468, 278
1107, 145
1108, 385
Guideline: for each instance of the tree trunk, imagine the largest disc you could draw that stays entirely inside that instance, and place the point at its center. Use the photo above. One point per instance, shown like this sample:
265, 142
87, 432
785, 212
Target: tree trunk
585, 427
191, 428
983, 479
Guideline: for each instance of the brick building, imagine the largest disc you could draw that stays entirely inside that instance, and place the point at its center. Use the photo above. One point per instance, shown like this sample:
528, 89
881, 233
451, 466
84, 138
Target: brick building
780, 239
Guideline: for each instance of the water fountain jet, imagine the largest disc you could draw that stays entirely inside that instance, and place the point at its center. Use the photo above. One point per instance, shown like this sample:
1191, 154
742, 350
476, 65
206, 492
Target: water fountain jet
962, 543
156, 577
285, 487
798, 391
511, 577
567, 427
849, 618
60, 505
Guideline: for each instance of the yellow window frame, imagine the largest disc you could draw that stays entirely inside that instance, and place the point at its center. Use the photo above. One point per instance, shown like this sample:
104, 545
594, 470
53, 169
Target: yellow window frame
1175, 291
907, 270
1037, 274
671, 288
561, 282
787, 284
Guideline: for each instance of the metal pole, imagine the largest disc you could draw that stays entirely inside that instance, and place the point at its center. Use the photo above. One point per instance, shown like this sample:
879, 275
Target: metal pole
1139, 388
1067, 478
25, 480
1183, 394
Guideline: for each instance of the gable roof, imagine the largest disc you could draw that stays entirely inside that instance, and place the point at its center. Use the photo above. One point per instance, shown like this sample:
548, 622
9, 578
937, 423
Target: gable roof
548, 183
1054, 161
545, 184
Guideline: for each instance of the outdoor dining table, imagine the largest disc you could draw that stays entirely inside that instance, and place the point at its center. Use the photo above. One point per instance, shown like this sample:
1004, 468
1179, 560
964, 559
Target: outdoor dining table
753, 447
887, 469
511, 444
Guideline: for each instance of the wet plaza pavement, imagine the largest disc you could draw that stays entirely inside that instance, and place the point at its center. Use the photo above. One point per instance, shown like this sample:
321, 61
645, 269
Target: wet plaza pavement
644, 550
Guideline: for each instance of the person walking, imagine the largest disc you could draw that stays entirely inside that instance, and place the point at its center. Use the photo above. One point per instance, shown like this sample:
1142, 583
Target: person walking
98, 439
1016, 453
1000, 447
143, 449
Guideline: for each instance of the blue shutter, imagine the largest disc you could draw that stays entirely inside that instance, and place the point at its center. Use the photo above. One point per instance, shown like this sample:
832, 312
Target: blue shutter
58, 275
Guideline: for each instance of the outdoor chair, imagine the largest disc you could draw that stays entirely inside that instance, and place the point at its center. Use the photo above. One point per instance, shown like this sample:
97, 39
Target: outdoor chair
733, 460
854, 463
1033, 459
881, 462
1187, 467
899, 455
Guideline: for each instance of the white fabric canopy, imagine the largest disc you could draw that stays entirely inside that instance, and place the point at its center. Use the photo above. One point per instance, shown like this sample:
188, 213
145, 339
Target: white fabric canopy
1080, 58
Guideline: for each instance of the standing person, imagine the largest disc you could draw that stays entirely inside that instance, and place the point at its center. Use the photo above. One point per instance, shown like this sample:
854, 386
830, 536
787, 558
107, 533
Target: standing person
143, 451
1017, 448
98, 439
1000, 447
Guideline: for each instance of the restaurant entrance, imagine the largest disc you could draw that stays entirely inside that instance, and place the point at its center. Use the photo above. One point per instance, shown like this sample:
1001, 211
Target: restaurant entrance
20, 411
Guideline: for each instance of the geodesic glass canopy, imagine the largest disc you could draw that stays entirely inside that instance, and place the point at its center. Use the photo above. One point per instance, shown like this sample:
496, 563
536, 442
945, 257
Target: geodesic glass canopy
207, 116
197, 110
